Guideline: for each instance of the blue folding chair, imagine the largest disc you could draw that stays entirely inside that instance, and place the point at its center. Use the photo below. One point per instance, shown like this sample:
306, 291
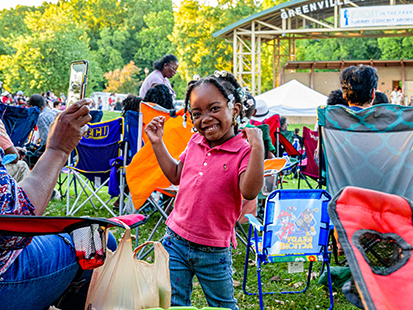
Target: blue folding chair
98, 159
19, 122
295, 229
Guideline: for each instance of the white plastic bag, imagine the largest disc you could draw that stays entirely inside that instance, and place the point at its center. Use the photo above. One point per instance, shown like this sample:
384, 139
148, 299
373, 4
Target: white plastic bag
126, 283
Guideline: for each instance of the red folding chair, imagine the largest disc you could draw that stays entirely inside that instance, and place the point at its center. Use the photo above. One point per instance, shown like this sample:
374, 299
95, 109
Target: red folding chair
311, 169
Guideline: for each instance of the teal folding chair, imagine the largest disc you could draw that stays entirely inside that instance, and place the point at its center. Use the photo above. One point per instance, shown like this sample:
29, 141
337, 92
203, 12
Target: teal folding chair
295, 229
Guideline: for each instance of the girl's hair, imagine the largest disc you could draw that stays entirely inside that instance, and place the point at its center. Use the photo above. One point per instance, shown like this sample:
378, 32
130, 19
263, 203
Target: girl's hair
131, 103
161, 95
226, 84
158, 64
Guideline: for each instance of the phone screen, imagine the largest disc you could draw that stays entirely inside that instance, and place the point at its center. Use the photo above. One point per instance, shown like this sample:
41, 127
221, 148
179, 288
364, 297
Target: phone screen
77, 84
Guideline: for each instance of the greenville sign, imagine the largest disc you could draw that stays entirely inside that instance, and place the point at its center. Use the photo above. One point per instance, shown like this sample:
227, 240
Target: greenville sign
388, 15
312, 7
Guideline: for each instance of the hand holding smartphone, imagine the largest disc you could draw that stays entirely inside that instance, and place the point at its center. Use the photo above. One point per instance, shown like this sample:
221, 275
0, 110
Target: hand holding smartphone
78, 81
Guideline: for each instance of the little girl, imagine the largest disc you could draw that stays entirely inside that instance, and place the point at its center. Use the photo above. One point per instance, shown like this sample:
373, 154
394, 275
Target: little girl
216, 168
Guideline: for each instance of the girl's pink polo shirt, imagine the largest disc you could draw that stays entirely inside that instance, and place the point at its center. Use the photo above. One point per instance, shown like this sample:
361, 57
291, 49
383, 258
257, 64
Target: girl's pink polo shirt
209, 200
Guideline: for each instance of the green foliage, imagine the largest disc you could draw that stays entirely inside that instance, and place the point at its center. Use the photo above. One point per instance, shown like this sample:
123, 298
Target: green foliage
198, 52
110, 44
338, 49
153, 39
396, 48
42, 56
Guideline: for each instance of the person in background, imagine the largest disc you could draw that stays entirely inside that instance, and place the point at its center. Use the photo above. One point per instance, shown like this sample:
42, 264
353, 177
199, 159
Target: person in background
18, 168
336, 98
283, 124
401, 96
46, 116
62, 99
117, 106
298, 137
395, 96
100, 104
111, 101
7, 98
380, 98
164, 69
21, 102
130, 103
160, 94
359, 86
57, 106
250, 111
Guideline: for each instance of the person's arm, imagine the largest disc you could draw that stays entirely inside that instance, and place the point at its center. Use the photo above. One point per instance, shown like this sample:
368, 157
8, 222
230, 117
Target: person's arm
170, 167
64, 134
252, 179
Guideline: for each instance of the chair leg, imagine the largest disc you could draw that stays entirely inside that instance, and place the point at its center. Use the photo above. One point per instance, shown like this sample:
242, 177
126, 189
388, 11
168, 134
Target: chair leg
330, 287
242, 237
247, 256
260, 284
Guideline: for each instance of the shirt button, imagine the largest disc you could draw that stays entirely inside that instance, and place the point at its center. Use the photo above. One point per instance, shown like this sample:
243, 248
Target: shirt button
209, 154
205, 164
200, 173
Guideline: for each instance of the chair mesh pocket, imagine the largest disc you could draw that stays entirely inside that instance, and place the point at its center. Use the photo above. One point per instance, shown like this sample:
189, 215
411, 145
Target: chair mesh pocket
385, 253
90, 246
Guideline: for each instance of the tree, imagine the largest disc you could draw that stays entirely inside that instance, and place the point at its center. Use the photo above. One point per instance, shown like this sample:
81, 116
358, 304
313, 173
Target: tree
197, 50
153, 38
43, 55
337, 49
110, 44
125, 81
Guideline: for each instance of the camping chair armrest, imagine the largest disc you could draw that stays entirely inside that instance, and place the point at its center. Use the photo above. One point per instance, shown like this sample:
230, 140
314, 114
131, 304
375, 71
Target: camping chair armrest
254, 222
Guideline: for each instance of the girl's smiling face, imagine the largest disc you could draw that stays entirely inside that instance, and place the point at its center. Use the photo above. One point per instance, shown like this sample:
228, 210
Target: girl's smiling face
211, 116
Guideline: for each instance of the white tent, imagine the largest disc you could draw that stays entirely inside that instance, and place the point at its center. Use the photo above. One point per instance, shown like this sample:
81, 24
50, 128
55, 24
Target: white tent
293, 99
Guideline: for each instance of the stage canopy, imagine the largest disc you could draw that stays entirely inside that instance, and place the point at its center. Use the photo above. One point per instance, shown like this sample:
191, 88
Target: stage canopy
293, 99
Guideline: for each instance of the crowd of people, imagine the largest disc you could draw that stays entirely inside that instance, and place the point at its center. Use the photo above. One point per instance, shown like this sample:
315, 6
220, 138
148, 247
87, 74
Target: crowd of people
19, 99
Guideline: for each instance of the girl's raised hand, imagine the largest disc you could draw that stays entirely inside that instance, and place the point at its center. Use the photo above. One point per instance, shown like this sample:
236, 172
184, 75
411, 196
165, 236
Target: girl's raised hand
154, 129
254, 137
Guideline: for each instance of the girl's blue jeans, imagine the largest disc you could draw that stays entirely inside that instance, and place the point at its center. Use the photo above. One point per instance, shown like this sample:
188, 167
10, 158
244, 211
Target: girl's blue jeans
41, 273
211, 265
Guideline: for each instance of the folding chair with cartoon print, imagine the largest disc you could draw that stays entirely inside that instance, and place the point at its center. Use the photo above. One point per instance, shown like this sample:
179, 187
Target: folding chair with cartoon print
295, 230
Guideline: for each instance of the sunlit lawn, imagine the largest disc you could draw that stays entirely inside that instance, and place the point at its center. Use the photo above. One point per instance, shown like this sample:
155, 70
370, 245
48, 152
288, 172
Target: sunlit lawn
315, 298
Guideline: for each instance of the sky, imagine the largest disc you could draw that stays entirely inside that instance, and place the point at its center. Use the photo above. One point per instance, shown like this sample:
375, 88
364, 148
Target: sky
4, 4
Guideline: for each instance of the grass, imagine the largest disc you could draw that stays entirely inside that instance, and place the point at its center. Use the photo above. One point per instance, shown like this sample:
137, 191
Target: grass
316, 296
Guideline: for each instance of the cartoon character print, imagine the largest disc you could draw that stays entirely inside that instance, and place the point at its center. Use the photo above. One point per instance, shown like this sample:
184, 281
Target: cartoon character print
287, 226
306, 222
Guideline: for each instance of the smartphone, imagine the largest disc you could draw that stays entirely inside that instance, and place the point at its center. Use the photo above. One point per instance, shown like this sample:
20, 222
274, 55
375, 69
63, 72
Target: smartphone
78, 81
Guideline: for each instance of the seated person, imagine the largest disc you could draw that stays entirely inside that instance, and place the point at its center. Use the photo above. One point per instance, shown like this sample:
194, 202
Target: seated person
298, 137
160, 94
380, 98
359, 86
130, 103
46, 116
117, 106
336, 98
250, 111
18, 168
36, 271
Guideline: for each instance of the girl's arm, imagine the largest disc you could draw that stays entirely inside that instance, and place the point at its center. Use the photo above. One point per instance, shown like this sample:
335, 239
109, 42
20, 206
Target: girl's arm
168, 164
252, 179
